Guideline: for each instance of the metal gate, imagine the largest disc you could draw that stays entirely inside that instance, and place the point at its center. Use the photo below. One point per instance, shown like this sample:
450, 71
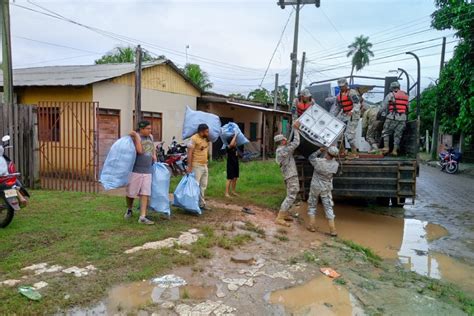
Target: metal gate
68, 145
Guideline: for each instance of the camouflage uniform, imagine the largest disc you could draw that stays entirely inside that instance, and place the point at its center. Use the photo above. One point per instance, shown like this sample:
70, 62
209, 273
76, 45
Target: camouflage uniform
371, 127
394, 122
286, 161
321, 184
351, 120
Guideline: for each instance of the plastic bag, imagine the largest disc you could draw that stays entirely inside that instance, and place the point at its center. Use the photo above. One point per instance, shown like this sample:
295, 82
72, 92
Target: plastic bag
160, 186
192, 119
187, 193
228, 131
118, 164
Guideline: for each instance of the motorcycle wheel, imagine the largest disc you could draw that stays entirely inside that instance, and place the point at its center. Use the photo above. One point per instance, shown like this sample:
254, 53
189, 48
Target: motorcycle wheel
6, 215
452, 168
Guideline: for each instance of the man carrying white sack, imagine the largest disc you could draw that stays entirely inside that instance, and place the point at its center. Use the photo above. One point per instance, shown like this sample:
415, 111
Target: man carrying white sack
321, 186
286, 161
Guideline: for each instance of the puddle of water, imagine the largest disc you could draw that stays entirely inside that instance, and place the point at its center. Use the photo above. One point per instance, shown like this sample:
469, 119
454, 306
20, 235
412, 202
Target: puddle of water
320, 296
401, 239
128, 297
196, 292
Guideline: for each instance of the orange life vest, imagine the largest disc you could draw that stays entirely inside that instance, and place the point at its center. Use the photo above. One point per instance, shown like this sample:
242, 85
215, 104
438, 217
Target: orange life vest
345, 102
302, 107
400, 105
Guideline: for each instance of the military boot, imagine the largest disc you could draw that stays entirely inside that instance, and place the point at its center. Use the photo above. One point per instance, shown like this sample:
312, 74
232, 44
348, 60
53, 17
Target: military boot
280, 220
332, 228
354, 154
386, 145
311, 224
395, 151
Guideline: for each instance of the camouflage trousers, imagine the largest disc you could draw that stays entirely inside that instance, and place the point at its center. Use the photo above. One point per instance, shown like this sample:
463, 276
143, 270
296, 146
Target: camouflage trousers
351, 127
292, 190
373, 133
395, 127
326, 198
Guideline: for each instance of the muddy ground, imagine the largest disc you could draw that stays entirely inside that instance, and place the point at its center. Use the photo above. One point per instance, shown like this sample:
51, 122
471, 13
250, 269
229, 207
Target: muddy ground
277, 270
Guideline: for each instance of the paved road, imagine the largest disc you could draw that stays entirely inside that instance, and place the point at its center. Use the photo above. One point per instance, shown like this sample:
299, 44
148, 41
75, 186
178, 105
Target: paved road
447, 200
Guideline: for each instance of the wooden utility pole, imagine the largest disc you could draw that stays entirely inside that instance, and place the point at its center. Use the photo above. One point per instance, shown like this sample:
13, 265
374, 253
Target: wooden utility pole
6, 53
434, 138
300, 79
138, 85
275, 95
298, 5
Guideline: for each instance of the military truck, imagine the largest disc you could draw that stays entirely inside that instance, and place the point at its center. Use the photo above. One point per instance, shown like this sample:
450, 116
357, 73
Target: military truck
388, 180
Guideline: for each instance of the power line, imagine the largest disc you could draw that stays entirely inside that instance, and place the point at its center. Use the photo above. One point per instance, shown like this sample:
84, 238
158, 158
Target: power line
276, 47
56, 45
333, 26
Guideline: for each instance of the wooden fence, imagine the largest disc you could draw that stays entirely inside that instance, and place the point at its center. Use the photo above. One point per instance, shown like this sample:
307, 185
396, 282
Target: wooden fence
20, 122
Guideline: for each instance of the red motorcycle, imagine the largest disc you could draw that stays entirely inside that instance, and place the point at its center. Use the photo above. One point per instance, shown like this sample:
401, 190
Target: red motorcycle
12, 193
177, 158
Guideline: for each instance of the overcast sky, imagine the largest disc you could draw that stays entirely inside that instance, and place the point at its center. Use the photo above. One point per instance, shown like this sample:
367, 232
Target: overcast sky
233, 40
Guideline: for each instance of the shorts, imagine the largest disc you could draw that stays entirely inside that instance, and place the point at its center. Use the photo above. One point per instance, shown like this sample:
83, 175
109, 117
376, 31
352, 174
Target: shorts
139, 184
232, 171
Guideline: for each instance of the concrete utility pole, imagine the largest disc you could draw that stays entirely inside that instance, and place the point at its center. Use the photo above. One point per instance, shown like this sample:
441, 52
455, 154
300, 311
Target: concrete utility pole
300, 79
6, 53
275, 96
434, 138
294, 55
138, 85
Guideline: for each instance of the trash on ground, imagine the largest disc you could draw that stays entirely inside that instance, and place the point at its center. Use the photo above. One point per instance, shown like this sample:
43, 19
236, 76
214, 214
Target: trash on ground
29, 292
169, 281
40, 285
330, 273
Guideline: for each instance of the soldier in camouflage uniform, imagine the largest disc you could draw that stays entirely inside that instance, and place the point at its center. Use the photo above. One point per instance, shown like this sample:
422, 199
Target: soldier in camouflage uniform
371, 128
395, 109
348, 107
286, 161
321, 186
300, 104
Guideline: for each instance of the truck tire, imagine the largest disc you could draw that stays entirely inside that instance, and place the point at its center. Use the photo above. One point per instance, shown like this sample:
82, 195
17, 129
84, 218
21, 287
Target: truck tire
383, 201
396, 204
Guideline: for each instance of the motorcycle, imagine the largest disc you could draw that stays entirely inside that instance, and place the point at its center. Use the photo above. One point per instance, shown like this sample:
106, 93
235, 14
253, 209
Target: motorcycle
160, 152
176, 158
13, 195
449, 160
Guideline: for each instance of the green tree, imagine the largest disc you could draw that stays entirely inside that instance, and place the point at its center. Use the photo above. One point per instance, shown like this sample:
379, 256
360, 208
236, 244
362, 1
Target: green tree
237, 96
360, 52
198, 76
260, 95
456, 83
282, 94
428, 103
124, 54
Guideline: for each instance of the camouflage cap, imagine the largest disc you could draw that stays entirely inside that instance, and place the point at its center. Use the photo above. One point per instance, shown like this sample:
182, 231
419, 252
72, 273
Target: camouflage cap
341, 82
278, 138
305, 93
395, 85
333, 151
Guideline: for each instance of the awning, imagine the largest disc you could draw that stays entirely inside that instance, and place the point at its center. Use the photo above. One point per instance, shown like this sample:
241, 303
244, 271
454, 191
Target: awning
258, 108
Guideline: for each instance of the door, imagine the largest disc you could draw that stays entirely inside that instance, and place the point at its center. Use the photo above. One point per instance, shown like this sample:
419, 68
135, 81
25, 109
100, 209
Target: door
156, 124
108, 122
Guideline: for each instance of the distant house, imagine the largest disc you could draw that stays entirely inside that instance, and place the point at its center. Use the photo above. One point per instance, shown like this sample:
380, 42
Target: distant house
251, 118
95, 103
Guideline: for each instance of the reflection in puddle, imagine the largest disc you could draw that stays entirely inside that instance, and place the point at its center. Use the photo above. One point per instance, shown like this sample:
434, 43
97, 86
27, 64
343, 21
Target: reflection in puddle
320, 296
196, 292
396, 238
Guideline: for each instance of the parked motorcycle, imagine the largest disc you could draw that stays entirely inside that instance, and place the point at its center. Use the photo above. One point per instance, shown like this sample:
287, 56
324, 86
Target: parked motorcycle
449, 160
176, 158
160, 152
13, 195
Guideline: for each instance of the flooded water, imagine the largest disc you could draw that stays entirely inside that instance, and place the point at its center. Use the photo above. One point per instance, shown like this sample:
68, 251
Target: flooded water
406, 240
320, 296
196, 292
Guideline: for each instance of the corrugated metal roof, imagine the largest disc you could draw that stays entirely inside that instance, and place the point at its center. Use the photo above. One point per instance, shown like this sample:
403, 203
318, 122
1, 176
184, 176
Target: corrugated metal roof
79, 75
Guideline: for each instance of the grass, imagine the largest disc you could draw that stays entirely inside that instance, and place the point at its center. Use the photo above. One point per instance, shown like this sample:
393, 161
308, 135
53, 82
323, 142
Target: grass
251, 227
369, 253
260, 183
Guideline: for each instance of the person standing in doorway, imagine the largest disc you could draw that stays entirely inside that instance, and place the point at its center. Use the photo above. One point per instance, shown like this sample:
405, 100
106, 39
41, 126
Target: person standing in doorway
139, 183
232, 167
198, 156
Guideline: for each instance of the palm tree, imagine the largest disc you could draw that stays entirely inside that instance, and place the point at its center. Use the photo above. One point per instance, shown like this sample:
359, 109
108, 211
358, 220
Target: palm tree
360, 52
121, 54
198, 76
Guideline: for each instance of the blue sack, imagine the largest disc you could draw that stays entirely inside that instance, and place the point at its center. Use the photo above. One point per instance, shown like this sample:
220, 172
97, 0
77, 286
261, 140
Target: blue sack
187, 193
160, 187
192, 119
118, 164
228, 131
